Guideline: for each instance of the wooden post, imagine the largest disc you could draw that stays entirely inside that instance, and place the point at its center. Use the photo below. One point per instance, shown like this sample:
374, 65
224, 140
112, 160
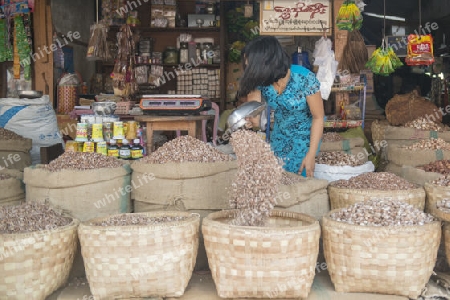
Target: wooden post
340, 41
43, 39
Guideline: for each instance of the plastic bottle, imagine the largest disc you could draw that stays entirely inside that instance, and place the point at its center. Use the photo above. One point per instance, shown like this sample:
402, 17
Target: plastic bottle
113, 149
297, 58
301, 58
125, 150
137, 151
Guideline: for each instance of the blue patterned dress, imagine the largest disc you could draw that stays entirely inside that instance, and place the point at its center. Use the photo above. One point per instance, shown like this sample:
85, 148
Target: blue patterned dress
290, 138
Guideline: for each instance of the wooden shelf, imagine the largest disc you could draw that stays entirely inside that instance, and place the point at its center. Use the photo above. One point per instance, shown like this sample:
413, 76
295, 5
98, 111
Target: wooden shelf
176, 29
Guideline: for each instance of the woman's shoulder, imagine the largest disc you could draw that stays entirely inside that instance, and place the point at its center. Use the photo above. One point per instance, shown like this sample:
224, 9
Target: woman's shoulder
300, 70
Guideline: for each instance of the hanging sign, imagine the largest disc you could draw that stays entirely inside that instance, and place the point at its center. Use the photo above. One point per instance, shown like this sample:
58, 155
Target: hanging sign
302, 17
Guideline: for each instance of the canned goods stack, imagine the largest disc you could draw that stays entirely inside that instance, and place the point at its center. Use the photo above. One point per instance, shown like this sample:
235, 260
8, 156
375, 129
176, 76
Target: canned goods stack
112, 137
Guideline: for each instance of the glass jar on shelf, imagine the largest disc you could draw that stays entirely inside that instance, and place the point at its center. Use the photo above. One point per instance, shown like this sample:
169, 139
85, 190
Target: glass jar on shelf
208, 53
171, 55
184, 53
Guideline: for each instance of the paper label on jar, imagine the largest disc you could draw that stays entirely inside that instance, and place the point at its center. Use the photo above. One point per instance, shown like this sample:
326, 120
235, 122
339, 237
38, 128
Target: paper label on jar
118, 130
113, 152
88, 147
135, 154
124, 153
82, 132
101, 148
97, 132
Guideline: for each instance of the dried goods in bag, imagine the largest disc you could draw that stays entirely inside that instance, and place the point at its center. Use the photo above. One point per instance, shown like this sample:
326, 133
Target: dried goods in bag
420, 50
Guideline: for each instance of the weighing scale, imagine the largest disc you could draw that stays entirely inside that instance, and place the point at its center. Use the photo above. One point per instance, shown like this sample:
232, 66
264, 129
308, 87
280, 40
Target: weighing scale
172, 104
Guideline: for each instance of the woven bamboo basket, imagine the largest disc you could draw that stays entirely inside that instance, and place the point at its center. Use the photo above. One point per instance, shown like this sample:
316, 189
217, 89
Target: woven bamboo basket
435, 193
34, 265
394, 260
446, 229
140, 261
276, 261
343, 197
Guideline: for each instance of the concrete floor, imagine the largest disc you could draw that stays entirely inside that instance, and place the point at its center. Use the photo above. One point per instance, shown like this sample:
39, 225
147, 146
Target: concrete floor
201, 287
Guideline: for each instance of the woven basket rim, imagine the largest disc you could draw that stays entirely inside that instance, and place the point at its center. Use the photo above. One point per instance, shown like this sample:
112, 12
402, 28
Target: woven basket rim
74, 223
210, 219
403, 228
443, 216
191, 217
417, 188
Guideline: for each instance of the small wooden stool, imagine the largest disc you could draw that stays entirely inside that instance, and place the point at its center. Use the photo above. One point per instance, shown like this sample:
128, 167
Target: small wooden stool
190, 123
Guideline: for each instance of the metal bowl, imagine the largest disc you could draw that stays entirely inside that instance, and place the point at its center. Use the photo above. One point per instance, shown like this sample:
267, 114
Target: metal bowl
237, 120
30, 94
104, 108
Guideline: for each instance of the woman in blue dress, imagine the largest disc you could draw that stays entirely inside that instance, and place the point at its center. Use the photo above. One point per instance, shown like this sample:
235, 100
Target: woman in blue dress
293, 92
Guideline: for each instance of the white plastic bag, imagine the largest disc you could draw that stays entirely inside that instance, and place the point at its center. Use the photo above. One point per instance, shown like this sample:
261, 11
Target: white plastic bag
333, 173
325, 59
31, 118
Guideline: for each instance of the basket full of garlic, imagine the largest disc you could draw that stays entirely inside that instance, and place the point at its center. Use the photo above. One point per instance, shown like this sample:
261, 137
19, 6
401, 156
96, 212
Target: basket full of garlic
37, 248
380, 246
253, 247
363, 187
140, 255
438, 197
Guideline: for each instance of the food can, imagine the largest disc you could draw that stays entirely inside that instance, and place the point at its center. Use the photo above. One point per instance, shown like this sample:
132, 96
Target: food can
88, 147
118, 131
97, 132
102, 148
82, 132
107, 131
80, 146
71, 146
131, 130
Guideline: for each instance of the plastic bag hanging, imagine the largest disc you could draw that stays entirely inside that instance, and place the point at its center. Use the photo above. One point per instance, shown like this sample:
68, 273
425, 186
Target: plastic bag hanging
325, 59
349, 16
420, 50
98, 46
384, 61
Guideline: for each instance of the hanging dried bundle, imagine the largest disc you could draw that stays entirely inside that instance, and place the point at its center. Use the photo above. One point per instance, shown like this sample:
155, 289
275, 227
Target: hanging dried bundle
355, 54
255, 187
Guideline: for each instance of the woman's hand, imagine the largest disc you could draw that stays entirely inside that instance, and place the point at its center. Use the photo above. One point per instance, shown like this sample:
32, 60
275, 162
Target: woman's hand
308, 163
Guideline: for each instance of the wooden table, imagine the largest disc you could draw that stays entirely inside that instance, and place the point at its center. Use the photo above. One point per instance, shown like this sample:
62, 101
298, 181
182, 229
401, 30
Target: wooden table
191, 124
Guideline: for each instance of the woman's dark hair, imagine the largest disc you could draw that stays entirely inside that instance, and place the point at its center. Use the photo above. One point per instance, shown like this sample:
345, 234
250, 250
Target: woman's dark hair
265, 61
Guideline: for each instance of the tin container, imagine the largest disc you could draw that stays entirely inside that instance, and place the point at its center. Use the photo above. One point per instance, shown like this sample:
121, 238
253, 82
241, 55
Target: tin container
82, 132
97, 132
88, 147
108, 131
102, 148
118, 131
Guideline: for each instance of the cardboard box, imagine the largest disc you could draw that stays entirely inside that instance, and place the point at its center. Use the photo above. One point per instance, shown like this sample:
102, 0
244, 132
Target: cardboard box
67, 125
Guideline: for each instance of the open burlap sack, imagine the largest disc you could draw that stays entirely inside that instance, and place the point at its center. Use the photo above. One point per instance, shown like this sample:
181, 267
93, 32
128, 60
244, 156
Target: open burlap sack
15, 154
195, 185
12, 191
382, 130
401, 156
85, 194
302, 190
344, 145
418, 176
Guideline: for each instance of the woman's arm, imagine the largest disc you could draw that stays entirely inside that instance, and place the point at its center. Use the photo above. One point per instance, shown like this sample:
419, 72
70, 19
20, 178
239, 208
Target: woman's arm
255, 121
315, 104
